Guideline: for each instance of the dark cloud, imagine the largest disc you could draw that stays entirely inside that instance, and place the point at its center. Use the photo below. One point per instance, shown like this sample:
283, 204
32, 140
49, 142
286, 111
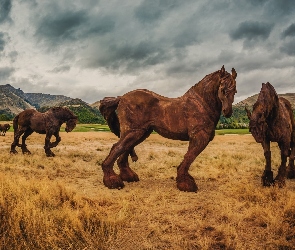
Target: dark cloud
290, 31
2, 41
150, 11
281, 8
5, 73
5, 8
126, 57
62, 26
250, 30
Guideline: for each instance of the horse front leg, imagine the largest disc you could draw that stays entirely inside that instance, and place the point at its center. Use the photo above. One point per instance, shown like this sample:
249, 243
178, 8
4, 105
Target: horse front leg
267, 176
280, 178
24, 148
57, 140
48, 152
185, 182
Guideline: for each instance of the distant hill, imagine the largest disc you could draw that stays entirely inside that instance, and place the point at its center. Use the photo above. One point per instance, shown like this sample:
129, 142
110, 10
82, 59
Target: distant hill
252, 99
13, 101
40, 100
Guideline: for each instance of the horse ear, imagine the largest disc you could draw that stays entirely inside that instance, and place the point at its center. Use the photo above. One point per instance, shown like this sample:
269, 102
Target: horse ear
222, 71
248, 112
234, 73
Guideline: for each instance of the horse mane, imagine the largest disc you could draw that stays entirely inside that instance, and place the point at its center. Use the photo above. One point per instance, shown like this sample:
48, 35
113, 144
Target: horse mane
207, 89
62, 110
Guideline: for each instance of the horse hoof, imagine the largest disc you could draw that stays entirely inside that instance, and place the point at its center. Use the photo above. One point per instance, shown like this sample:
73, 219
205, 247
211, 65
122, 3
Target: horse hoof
267, 178
186, 184
128, 175
291, 174
50, 155
113, 182
13, 152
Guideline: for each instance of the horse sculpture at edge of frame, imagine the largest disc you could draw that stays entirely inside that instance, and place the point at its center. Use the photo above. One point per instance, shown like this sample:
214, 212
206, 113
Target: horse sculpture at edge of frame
272, 120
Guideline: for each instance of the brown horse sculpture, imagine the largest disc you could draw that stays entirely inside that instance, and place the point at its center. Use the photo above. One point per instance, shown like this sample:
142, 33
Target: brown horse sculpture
4, 128
272, 120
48, 123
191, 117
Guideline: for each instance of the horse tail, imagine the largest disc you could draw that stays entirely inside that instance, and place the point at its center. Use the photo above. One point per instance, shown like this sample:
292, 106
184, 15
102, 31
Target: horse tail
15, 123
108, 108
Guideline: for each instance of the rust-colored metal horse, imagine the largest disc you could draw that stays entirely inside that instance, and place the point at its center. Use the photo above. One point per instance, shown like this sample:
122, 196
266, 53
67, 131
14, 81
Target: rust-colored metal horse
272, 120
4, 128
48, 123
191, 117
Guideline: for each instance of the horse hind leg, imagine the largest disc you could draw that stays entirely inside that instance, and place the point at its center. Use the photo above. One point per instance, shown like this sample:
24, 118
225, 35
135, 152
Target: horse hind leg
126, 173
124, 145
17, 135
291, 168
280, 178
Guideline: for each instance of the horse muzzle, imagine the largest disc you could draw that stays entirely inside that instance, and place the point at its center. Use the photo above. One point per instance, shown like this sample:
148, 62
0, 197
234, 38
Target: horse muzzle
227, 112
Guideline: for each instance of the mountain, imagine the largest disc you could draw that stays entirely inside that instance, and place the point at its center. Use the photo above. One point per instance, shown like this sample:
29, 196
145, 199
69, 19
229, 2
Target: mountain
13, 101
41, 100
252, 99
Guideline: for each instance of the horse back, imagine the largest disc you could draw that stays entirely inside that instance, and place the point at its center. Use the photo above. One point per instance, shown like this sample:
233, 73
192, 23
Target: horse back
33, 119
144, 109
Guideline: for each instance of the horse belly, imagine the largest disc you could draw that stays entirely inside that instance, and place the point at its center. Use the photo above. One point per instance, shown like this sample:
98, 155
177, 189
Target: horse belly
171, 123
38, 124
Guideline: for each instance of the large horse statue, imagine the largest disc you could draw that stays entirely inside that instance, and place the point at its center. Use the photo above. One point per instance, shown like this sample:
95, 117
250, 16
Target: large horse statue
4, 128
272, 120
48, 123
191, 117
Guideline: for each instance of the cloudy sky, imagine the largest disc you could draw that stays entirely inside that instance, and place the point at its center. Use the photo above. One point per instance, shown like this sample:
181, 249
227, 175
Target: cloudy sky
89, 49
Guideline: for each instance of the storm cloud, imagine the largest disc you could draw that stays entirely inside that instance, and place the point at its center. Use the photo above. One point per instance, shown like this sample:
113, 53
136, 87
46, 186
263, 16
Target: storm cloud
89, 49
5, 8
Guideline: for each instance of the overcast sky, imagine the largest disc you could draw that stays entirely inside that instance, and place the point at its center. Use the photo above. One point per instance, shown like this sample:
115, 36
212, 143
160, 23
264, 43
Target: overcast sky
90, 49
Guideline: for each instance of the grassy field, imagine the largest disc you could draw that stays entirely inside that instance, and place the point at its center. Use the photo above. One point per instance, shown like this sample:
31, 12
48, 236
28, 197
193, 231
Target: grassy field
61, 202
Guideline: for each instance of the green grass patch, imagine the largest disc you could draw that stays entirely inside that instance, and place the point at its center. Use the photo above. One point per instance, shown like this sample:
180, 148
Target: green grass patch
241, 131
88, 128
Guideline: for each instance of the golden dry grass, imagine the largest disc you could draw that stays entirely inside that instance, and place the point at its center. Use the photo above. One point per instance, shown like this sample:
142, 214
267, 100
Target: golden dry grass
61, 202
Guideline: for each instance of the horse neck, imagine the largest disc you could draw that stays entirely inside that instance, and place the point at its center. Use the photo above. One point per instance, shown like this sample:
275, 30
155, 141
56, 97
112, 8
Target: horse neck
63, 115
207, 90
270, 105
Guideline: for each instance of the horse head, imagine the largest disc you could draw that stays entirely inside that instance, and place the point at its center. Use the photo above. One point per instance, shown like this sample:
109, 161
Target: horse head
71, 120
64, 114
263, 109
227, 90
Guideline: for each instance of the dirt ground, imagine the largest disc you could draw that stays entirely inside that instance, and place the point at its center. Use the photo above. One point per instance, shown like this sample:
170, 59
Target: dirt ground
231, 210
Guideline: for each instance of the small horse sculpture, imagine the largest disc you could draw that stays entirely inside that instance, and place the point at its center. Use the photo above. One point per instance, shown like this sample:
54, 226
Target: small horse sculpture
48, 123
191, 117
272, 120
4, 128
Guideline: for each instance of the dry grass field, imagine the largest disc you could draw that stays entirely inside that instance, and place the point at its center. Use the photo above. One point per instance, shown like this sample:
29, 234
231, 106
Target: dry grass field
61, 202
